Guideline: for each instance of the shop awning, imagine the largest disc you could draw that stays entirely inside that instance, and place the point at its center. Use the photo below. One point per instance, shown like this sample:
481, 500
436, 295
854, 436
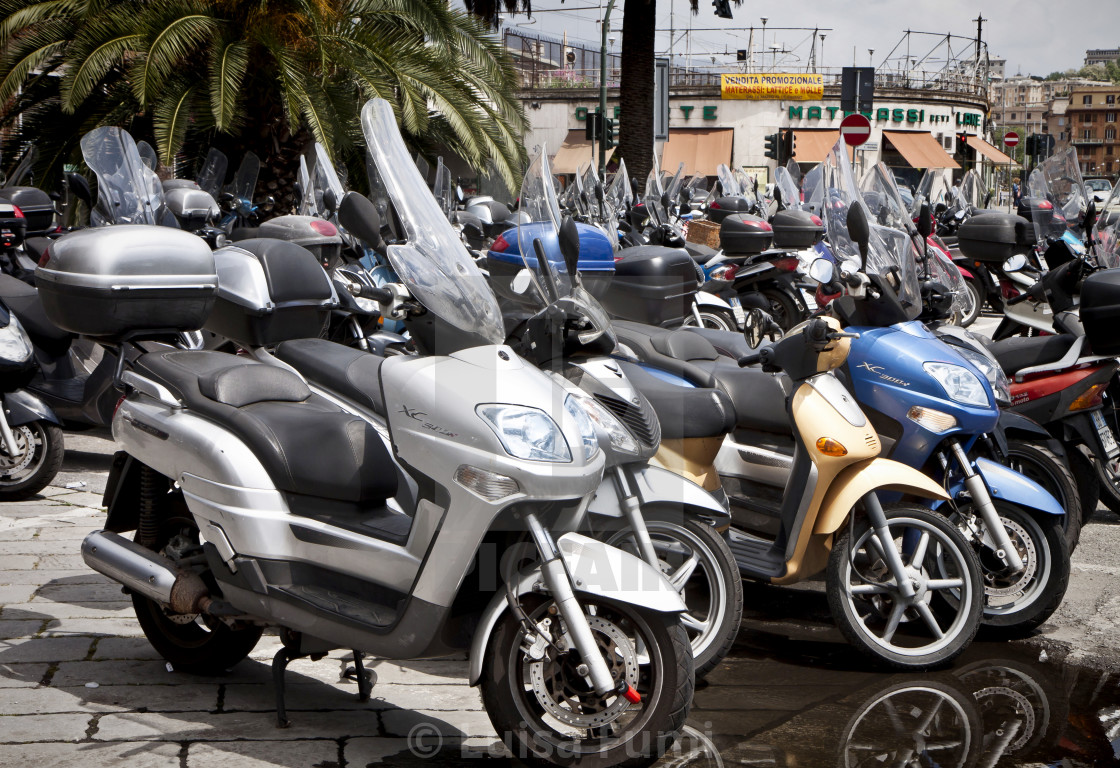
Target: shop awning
700, 149
575, 153
920, 149
813, 146
987, 150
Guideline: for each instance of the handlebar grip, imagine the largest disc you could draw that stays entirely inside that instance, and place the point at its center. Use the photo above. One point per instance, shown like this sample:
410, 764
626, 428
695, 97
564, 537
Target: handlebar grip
380, 295
746, 360
1018, 299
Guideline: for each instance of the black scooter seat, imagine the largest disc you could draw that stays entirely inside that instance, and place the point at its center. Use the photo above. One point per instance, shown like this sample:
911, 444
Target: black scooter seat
1021, 352
351, 373
23, 300
683, 411
309, 447
759, 397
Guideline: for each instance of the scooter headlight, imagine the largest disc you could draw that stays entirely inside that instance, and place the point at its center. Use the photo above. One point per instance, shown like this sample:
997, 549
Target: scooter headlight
14, 344
620, 437
1001, 385
959, 383
528, 433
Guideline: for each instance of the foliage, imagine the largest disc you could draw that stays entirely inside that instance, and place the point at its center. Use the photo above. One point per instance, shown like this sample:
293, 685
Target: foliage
1108, 72
263, 72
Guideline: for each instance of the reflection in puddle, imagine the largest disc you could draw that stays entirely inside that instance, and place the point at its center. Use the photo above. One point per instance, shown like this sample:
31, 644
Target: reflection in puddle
999, 705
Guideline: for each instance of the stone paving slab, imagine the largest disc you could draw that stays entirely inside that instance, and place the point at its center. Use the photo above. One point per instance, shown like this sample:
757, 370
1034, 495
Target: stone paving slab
140, 755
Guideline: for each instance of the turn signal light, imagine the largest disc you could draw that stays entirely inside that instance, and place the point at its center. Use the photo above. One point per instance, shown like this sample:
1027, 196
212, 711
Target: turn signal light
934, 421
787, 264
830, 447
488, 485
1090, 398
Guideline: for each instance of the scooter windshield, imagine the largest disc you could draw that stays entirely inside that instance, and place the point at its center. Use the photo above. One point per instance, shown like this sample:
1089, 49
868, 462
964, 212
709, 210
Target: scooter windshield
325, 179
890, 252
813, 188
1066, 187
212, 172
539, 243
784, 182
881, 194
127, 192
245, 180
1047, 217
729, 185
147, 155
972, 192
1106, 238
618, 191
434, 264
601, 208
443, 189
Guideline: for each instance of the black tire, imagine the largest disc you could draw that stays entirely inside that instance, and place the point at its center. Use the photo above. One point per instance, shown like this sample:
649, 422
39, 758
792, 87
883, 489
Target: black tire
977, 292
1089, 484
525, 725
714, 318
200, 645
782, 308
865, 603
1037, 462
713, 590
1015, 604
1011, 693
1108, 483
42, 449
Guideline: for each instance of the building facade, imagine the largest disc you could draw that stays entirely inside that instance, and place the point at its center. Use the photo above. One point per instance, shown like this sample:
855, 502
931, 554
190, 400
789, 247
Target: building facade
1092, 118
1101, 56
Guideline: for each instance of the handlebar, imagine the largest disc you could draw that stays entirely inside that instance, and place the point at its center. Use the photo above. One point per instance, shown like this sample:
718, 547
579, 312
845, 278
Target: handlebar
380, 295
1018, 299
746, 360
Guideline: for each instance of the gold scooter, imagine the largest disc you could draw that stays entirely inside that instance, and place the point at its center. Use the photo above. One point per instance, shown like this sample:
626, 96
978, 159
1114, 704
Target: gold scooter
903, 584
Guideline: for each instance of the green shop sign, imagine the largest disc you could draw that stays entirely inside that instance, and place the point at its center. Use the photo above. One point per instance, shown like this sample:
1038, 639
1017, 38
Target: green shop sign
884, 115
708, 113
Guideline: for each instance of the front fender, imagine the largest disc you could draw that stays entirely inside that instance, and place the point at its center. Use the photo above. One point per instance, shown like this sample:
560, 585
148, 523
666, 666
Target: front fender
23, 407
655, 485
866, 476
1012, 425
707, 299
597, 570
1008, 485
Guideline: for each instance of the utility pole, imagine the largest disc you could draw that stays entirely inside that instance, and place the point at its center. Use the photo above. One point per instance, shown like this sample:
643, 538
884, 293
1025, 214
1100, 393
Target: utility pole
603, 91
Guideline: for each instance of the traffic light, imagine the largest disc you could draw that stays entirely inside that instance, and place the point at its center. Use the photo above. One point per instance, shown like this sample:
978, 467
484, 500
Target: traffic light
772, 146
789, 144
608, 133
723, 8
1030, 146
741, 54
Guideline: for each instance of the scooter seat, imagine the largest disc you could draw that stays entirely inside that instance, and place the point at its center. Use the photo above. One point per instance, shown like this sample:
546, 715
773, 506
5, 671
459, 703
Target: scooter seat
308, 446
684, 411
23, 300
1021, 352
759, 397
701, 254
351, 373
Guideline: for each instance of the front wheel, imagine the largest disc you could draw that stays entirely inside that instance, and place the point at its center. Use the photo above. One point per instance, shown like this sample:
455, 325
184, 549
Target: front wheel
974, 303
931, 626
545, 710
699, 564
38, 457
716, 319
1037, 462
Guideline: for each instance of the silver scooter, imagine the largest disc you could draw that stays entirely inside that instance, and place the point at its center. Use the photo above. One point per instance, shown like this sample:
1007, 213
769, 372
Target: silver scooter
257, 502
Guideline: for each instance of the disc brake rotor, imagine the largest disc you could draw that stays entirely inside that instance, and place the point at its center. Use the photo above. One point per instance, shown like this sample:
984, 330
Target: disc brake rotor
568, 697
10, 465
998, 582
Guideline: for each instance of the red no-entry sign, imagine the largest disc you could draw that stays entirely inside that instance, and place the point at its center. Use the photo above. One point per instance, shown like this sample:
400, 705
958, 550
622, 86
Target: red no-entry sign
1010, 139
855, 129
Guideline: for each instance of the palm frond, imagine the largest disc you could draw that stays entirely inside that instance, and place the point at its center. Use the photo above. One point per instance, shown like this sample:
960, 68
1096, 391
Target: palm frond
227, 71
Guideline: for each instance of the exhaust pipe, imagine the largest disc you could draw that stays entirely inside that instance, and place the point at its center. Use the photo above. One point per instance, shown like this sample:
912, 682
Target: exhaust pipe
145, 572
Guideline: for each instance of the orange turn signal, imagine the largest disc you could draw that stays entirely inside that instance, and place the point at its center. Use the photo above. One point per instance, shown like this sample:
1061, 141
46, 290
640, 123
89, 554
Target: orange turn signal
1090, 398
830, 447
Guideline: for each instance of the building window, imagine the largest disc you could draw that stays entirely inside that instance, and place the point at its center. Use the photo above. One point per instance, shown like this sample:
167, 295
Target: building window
1028, 116
1087, 99
1087, 117
1110, 117
1110, 133
1108, 167
1061, 121
1012, 115
1087, 133
1110, 98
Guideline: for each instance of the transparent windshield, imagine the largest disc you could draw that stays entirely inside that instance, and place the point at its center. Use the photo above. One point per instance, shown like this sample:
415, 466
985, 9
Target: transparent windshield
422, 167
442, 188
244, 184
884, 202
673, 188
21, 174
890, 252
813, 190
971, 198
212, 173
618, 190
728, 184
747, 186
932, 188
1047, 218
147, 155
1067, 188
126, 193
652, 198
1106, 240
435, 265
941, 269
326, 190
602, 208
791, 198
307, 199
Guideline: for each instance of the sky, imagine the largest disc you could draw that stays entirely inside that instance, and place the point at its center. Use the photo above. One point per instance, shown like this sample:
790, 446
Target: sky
1034, 37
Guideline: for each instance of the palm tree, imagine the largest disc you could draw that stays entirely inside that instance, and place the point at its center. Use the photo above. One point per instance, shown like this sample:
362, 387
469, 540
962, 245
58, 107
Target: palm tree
261, 75
639, 30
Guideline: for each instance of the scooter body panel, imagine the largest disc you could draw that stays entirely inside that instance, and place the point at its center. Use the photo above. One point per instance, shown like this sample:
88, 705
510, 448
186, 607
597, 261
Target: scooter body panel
23, 407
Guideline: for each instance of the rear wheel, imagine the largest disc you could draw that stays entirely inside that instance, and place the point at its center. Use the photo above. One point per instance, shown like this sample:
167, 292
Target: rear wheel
782, 308
1108, 476
546, 712
930, 627
38, 457
974, 302
1037, 462
196, 643
716, 319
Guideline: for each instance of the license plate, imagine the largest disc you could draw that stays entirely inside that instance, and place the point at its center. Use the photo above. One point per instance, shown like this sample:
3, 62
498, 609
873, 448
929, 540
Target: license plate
737, 310
1107, 440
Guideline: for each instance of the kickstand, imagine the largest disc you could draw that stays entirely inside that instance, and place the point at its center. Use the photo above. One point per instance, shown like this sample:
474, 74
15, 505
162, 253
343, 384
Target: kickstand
362, 675
279, 664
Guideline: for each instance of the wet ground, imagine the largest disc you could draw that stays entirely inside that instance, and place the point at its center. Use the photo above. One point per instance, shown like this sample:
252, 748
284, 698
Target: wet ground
79, 686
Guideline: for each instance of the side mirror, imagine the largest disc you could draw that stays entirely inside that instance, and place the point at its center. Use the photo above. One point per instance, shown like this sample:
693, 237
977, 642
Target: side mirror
987, 199
330, 202
925, 223
359, 217
754, 327
858, 228
569, 245
458, 193
55, 196
822, 270
1090, 216
268, 203
940, 208
521, 282
1015, 263
79, 187
778, 195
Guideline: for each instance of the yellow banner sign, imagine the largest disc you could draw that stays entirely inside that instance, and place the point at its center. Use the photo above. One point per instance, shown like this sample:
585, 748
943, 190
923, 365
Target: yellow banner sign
757, 87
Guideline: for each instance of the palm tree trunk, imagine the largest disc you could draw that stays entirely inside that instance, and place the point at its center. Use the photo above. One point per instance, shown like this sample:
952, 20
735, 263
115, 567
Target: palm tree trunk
639, 29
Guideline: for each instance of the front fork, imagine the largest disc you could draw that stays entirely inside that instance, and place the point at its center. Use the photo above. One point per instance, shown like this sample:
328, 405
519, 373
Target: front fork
559, 583
996, 537
9, 438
